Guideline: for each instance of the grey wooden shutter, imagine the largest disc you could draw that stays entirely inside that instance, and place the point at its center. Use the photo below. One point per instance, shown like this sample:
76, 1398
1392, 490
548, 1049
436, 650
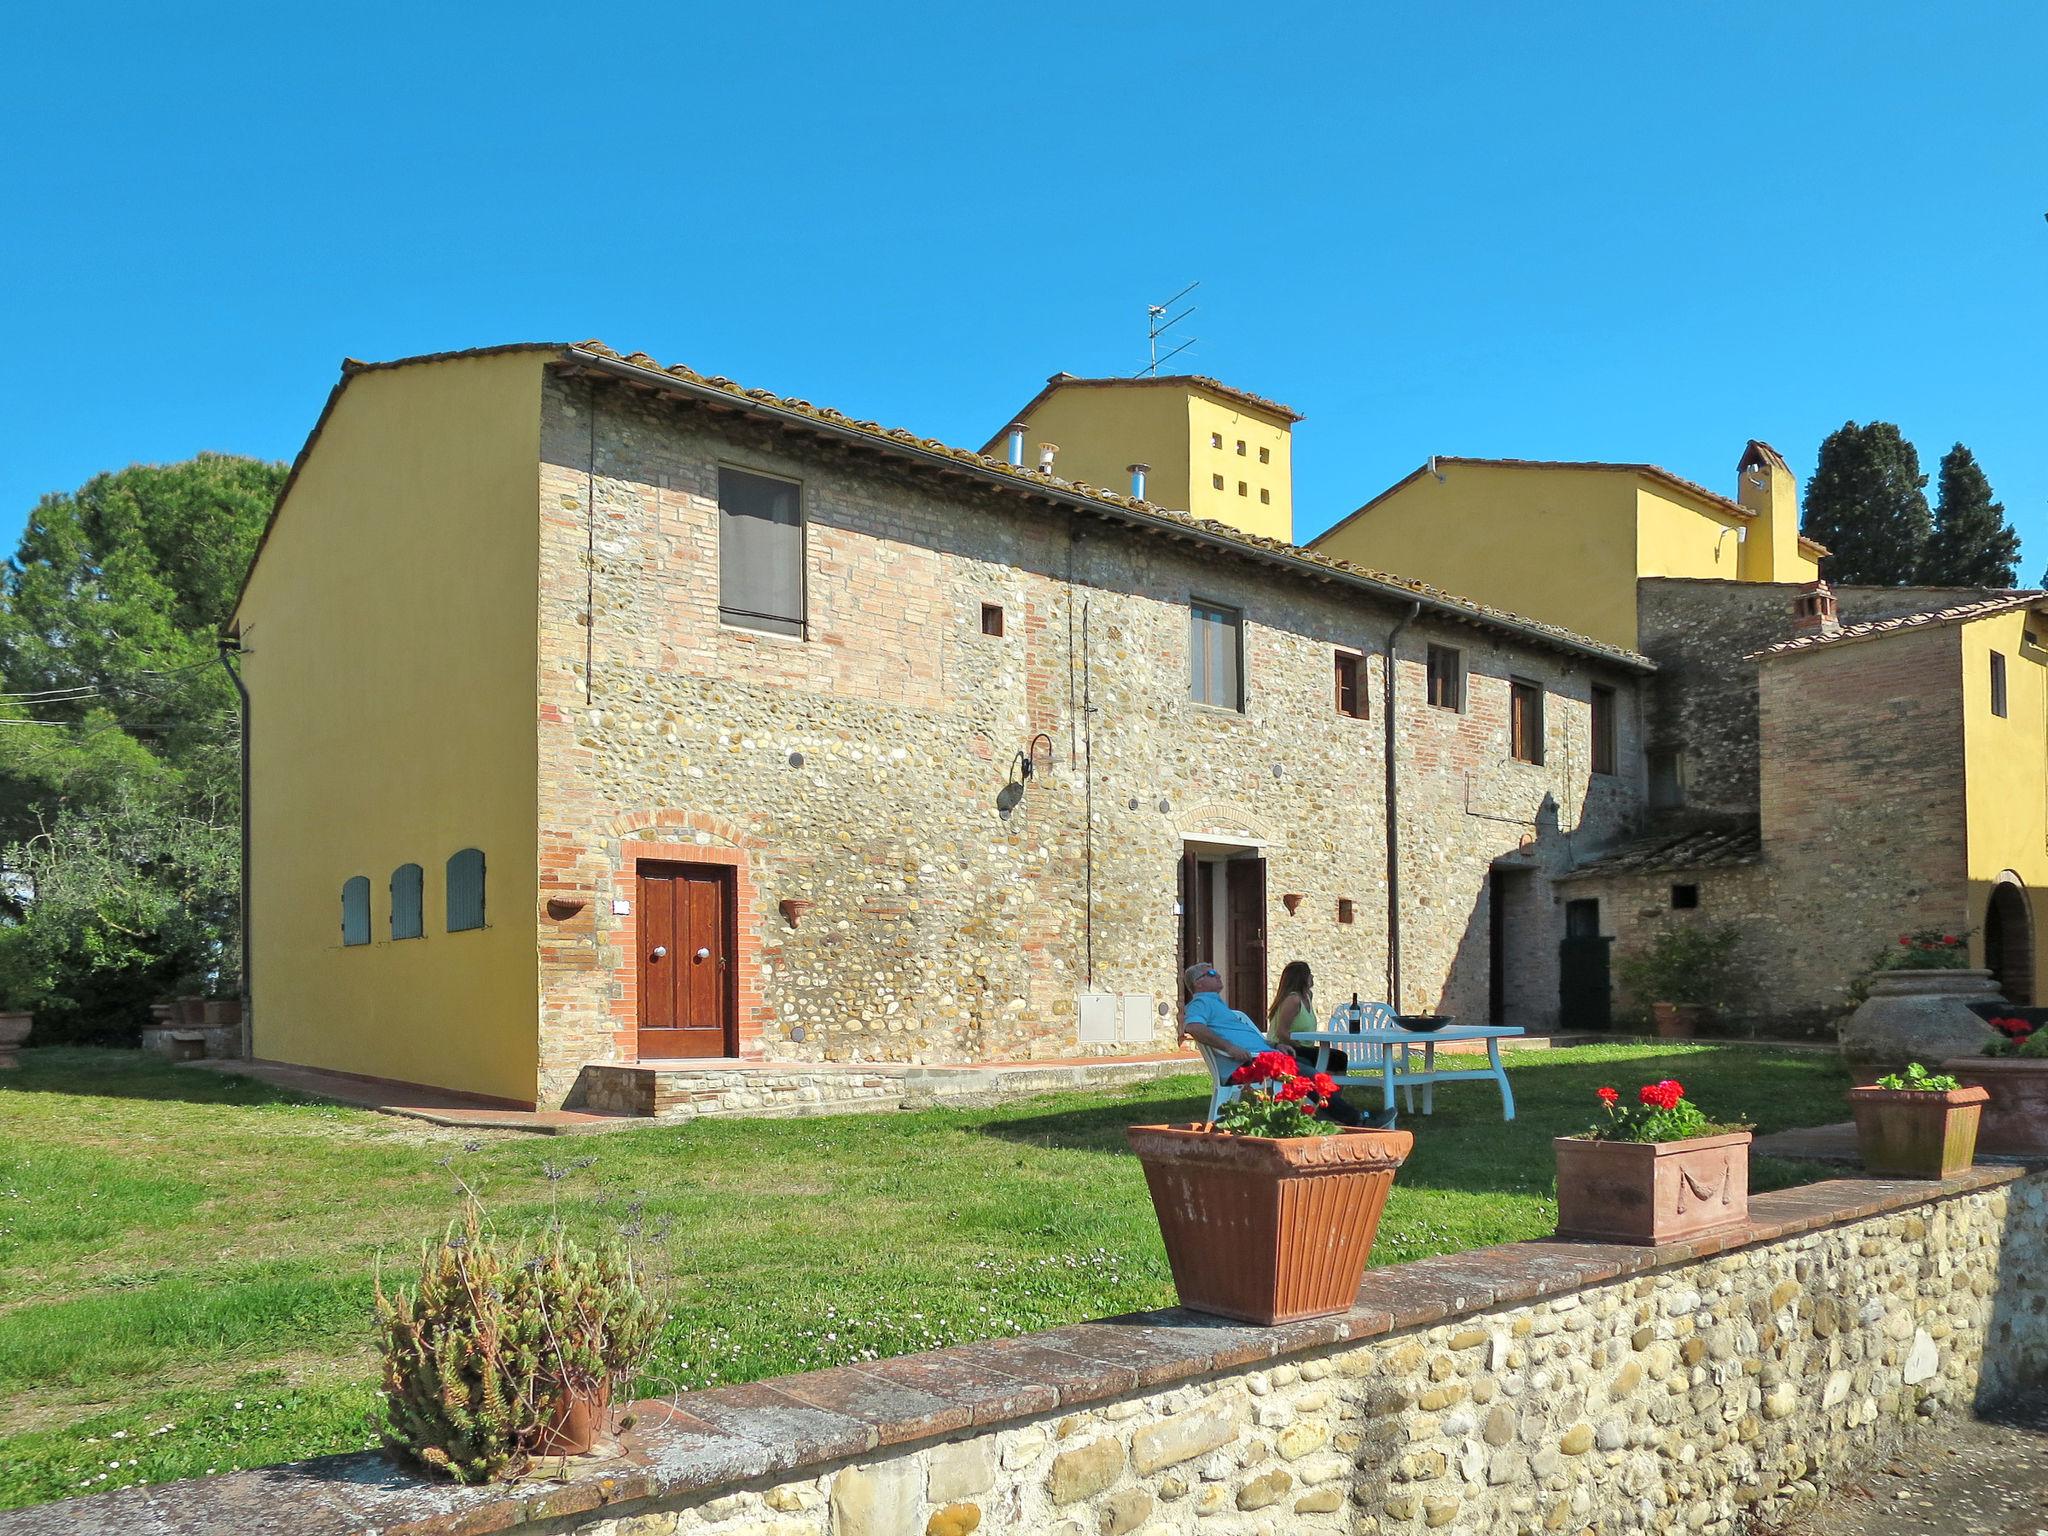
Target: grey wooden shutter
760, 552
355, 910
466, 890
407, 920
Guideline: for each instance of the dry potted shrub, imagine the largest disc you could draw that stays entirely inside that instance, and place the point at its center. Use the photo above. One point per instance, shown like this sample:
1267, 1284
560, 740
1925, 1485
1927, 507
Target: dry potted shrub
1652, 1173
1269, 1214
499, 1356
1917, 1124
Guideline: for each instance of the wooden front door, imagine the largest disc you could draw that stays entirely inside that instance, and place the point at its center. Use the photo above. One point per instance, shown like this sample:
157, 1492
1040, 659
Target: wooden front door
1244, 973
687, 982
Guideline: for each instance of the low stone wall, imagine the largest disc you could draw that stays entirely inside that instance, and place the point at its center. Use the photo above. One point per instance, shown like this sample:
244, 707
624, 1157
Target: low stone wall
221, 1042
1531, 1388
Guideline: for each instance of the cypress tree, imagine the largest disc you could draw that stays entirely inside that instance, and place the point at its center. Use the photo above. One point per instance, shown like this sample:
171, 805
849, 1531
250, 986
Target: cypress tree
1867, 502
1972, 544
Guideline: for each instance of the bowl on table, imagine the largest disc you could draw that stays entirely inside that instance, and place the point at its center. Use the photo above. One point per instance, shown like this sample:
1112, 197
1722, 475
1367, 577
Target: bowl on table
1423, 1023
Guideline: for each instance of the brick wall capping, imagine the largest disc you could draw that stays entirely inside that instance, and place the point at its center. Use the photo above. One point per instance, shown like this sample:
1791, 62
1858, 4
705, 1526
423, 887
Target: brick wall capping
700, 1442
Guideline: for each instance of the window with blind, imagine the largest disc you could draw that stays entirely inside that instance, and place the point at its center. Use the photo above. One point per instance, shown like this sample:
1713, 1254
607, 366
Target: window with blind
1525, 720
760, 552
1446, 677
1351, 685
466, 890
1604, 752
355, 910
407, 919
1216, 655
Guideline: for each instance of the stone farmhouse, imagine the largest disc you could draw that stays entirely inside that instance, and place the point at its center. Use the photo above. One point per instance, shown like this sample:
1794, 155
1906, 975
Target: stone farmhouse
612, 726
1824, 768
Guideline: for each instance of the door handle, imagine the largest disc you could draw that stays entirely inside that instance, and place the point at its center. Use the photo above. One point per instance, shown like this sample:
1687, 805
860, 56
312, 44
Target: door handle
660, 951
702, 954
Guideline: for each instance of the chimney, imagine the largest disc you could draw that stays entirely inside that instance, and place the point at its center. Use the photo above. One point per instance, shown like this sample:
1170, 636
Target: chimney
1046, 451
1138, 473
1017, 431
1764, 483
1813, 612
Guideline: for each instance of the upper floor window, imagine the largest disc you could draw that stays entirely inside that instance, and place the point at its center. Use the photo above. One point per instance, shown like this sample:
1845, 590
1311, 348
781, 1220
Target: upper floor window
407, 919
1525, 720
1216, 655
466, 890
1265, 495
1446, 677
1351, 685
1216, 481
1241, 488
1667, 779
1265, 455
1215, 439
1604, 754
355, 910
992, 619
760, 552
1998, 683
1240, 447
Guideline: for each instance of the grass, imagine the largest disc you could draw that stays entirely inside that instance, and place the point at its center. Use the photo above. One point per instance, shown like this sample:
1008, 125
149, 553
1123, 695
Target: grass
187, 1260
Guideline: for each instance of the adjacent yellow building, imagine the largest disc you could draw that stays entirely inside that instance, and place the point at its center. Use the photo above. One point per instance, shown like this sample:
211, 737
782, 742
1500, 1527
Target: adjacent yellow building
1201, 446
1566, 542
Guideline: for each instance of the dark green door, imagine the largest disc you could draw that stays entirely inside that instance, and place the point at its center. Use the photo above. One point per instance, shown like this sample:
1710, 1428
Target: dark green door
1584, 997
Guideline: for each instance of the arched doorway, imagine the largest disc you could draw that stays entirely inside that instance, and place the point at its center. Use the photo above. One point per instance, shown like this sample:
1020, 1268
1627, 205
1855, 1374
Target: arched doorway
2009, 941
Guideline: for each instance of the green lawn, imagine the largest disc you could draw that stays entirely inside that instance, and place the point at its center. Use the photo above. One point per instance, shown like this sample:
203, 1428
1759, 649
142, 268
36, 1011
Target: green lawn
186, 1259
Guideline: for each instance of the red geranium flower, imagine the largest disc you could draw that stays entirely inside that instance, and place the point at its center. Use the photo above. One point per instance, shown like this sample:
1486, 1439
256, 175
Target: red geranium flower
1610, 1096
1664, 1095
1950, 940
1325, 1084
1906, 939
1294, 1090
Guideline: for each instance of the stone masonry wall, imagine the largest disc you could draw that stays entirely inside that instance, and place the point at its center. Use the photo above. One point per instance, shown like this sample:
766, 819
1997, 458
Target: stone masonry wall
1703, 700
872, 769
1514, 1391
1636, 908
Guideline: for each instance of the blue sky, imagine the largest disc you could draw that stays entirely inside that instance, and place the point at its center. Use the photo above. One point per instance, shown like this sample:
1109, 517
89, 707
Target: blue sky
1595, 231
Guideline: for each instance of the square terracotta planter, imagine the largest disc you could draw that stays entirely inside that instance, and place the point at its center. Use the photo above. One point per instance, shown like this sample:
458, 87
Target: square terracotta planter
1908, 1134
1268, 1229
1652, 1192
2015, 1121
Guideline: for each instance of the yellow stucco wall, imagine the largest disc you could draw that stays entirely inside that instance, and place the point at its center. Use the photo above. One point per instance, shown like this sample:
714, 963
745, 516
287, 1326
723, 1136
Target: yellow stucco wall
391, 631
1555, 544
2006, 768
1103, 429
1236, 501
1678, 536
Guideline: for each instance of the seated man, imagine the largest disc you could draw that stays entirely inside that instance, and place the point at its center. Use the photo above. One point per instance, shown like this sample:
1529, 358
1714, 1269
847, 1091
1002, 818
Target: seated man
1234, 1037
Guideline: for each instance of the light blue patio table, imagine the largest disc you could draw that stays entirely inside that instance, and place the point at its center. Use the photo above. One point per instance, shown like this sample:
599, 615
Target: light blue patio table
1384, 1054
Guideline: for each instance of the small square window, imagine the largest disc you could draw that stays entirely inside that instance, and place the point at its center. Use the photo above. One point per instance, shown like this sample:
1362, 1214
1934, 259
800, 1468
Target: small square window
1446, 677
1684, 898
1242, 489
1265, 455
1240, 447
1215, 439
1344, 910
1265, 495
1217, 481
992, 619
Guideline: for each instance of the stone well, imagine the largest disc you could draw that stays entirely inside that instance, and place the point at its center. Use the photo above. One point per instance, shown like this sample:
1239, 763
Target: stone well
1922, 1016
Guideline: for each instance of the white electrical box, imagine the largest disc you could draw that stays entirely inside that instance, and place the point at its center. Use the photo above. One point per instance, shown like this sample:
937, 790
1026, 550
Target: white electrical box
1135, 1019
1116, 1018
1098, 1018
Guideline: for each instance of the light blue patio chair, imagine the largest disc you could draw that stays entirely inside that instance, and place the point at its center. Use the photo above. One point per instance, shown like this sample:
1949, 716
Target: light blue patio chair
1368, 1059
1220, 1067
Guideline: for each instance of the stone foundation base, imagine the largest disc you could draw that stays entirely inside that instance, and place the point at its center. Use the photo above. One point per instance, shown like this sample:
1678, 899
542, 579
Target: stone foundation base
221, 1043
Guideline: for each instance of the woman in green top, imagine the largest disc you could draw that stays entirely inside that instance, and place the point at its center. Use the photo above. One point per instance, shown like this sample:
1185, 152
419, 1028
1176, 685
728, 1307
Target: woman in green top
1294, 1013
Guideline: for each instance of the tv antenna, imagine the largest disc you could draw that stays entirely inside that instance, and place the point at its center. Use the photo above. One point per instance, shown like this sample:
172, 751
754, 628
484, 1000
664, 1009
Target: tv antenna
1157, 325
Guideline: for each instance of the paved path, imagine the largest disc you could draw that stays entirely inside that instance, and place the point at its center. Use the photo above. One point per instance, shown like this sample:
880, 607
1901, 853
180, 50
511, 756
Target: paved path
1982, 1478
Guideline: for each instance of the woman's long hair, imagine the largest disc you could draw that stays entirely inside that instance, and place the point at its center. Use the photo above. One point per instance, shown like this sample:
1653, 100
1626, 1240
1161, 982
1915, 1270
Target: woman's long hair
1294, 977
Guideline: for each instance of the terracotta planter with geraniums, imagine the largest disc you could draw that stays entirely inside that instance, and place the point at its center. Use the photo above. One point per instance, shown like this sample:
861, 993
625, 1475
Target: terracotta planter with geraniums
1917, 1124
1269, 1214
1659, 1172
2014, 1071
15, 1025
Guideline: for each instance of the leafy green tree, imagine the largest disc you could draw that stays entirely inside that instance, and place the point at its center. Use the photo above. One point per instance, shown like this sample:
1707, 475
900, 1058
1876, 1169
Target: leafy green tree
1867, 502
1972, 544
119, 740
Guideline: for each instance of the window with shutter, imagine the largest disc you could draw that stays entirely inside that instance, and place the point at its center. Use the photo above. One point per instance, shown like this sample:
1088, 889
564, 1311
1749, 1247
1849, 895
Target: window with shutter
1216, 655
1446, 677
466, 890
760, 552
1604, 754
407, 920
1350, 685
355, 910
1525, 720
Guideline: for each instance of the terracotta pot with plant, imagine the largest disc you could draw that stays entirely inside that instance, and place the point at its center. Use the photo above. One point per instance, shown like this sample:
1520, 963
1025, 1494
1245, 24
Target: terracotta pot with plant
1917, 1124
1684, 975
1269, 1214
1919, 1002
1654, 1173
2013, 1070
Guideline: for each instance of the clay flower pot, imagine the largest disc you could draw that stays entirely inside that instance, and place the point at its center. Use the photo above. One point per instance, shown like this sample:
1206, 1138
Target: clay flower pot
1652, 1192
1679, 1021
1911, 1134
2015, 1122
1268, 1230
579, 1417
14, 1029
794, 908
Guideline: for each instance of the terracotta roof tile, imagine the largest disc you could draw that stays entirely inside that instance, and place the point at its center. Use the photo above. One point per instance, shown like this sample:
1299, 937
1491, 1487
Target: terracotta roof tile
1672, 852
1877, 629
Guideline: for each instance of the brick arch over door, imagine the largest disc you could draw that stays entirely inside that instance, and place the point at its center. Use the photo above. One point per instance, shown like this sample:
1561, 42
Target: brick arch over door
2009, 940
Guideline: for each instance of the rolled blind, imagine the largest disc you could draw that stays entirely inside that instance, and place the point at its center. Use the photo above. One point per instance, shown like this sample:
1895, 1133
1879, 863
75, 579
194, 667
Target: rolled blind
760, 552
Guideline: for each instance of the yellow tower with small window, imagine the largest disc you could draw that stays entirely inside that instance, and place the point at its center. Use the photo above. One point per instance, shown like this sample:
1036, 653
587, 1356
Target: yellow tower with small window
1179, 440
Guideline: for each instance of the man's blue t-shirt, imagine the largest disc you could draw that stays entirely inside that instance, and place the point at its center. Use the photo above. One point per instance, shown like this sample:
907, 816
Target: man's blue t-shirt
1210, 1011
